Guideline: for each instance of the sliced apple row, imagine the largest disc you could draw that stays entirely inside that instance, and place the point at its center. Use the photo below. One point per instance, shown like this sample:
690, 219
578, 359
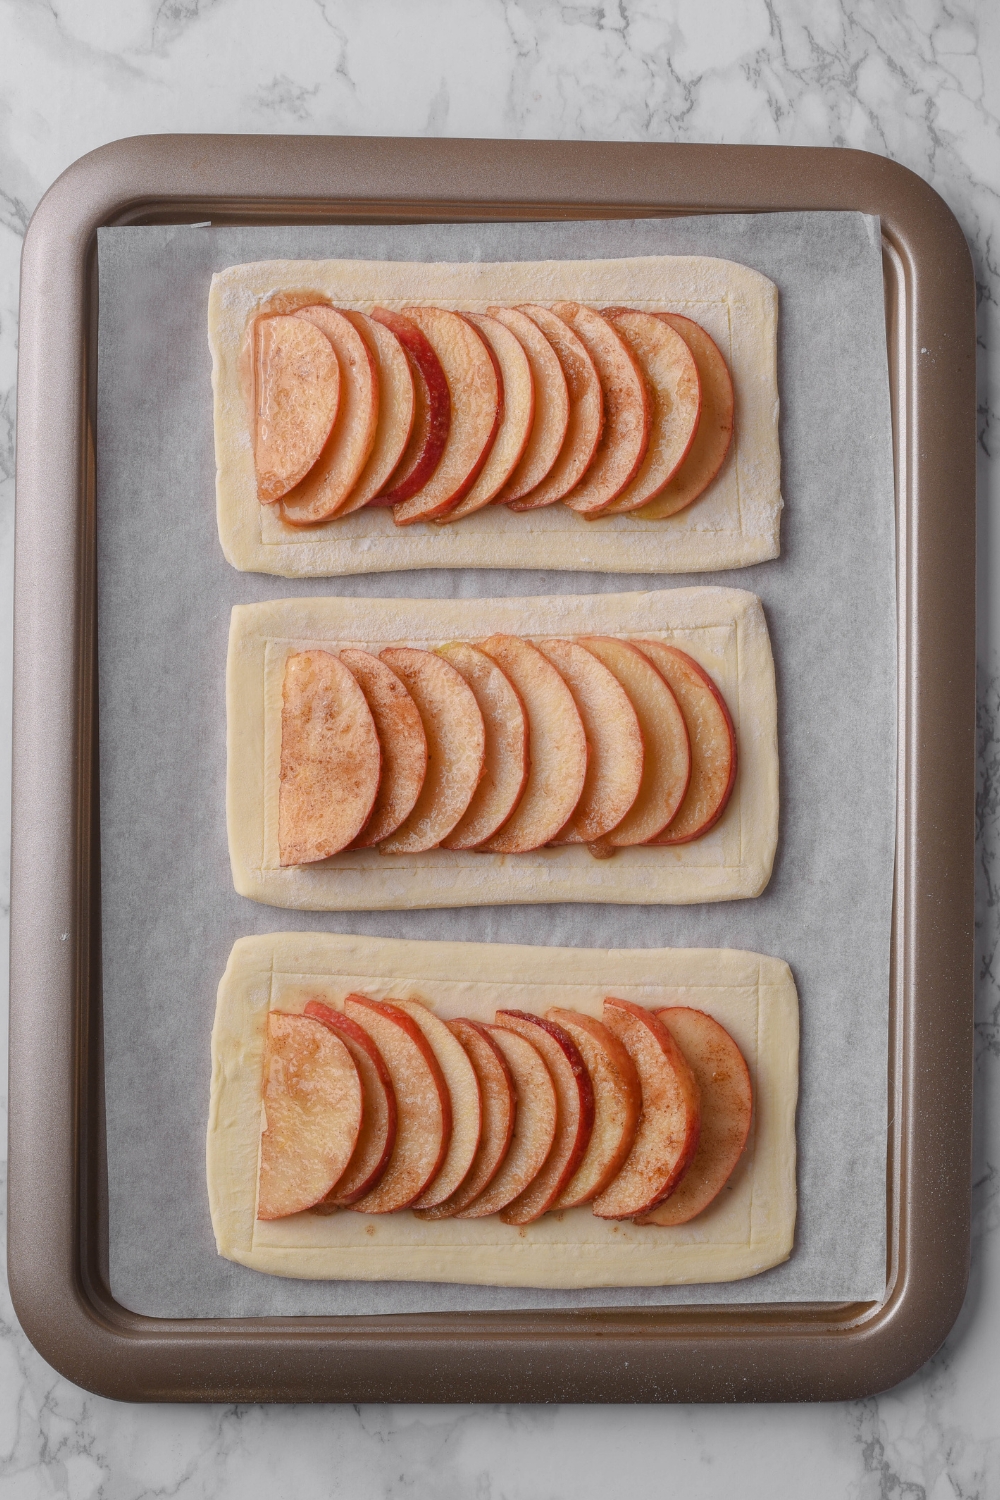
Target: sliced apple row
500, 747
439, 413
383, 1106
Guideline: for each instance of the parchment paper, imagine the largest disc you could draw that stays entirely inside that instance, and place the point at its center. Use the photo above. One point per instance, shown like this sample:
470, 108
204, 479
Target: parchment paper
170, 914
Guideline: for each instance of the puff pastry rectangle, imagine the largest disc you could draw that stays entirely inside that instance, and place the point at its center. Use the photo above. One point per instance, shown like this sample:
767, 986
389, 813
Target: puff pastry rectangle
734, 524
723, 629
749, 1227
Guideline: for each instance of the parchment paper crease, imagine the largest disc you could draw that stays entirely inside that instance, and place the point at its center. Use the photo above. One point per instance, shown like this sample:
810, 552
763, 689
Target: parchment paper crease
170, 915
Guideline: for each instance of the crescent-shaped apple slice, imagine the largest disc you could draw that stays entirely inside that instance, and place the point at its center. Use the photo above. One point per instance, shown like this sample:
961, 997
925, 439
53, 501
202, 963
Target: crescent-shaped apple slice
311, 1115
431, 411
614, 742
574, 1112
496, 1091
713, 743
517, 415
557, 747
551, 415
666, 767
423, 1105
534, 1132
294, 381
586, 412
401, 735
324, 490
378, 1115
456, 747
715, 425
625, 436
667, 1137
674, 387
726, 1109
330, 759
505, 764
466, 1104
476, 395
396, 406
617, 1106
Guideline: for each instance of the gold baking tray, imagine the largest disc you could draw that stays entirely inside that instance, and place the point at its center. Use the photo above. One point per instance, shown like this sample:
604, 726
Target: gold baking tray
57, 1191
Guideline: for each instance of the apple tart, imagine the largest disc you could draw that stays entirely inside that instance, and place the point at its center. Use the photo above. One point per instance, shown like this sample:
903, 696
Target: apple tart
364, 409
504, 747
377, 760
532, 1127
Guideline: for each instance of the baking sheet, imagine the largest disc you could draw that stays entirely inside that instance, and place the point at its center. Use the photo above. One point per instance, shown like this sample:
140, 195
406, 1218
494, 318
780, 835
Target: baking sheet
170, 915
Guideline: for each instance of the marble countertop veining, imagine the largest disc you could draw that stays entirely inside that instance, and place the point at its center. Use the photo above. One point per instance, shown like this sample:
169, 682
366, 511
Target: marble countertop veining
918, 80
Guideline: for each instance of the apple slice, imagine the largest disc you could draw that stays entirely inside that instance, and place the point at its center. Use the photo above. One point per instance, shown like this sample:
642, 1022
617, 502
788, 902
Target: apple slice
666, 767
311, 1115
625, 437
586, 413
726, 1107
534, 1132
667, 1137
456, 747
324, 490
713, 743
671, 376
496, 1091
396, 407
574, 1112
294, 400
423, 1105
557, 747
378, 1114
516, 417
617, 1106
431, 412
715, 426
505, 766
466, 1104
401, 735
551, 414
614, 742
330, 759
476, 395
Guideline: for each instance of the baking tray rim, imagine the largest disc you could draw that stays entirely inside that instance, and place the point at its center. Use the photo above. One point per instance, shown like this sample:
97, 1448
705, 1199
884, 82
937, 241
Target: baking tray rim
791, 1352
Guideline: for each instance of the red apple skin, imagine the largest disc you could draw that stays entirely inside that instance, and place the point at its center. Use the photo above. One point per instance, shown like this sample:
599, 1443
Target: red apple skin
575, 1114
465, 1095
715, 427
667, 1137
534, 1125
726, 1112
475, 413
678, 669
348, 1190
432, 418
386, 1196
497, 1092
617, 1106
498, 416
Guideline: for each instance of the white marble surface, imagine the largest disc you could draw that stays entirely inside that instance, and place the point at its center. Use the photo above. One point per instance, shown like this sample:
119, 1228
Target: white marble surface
918, 80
